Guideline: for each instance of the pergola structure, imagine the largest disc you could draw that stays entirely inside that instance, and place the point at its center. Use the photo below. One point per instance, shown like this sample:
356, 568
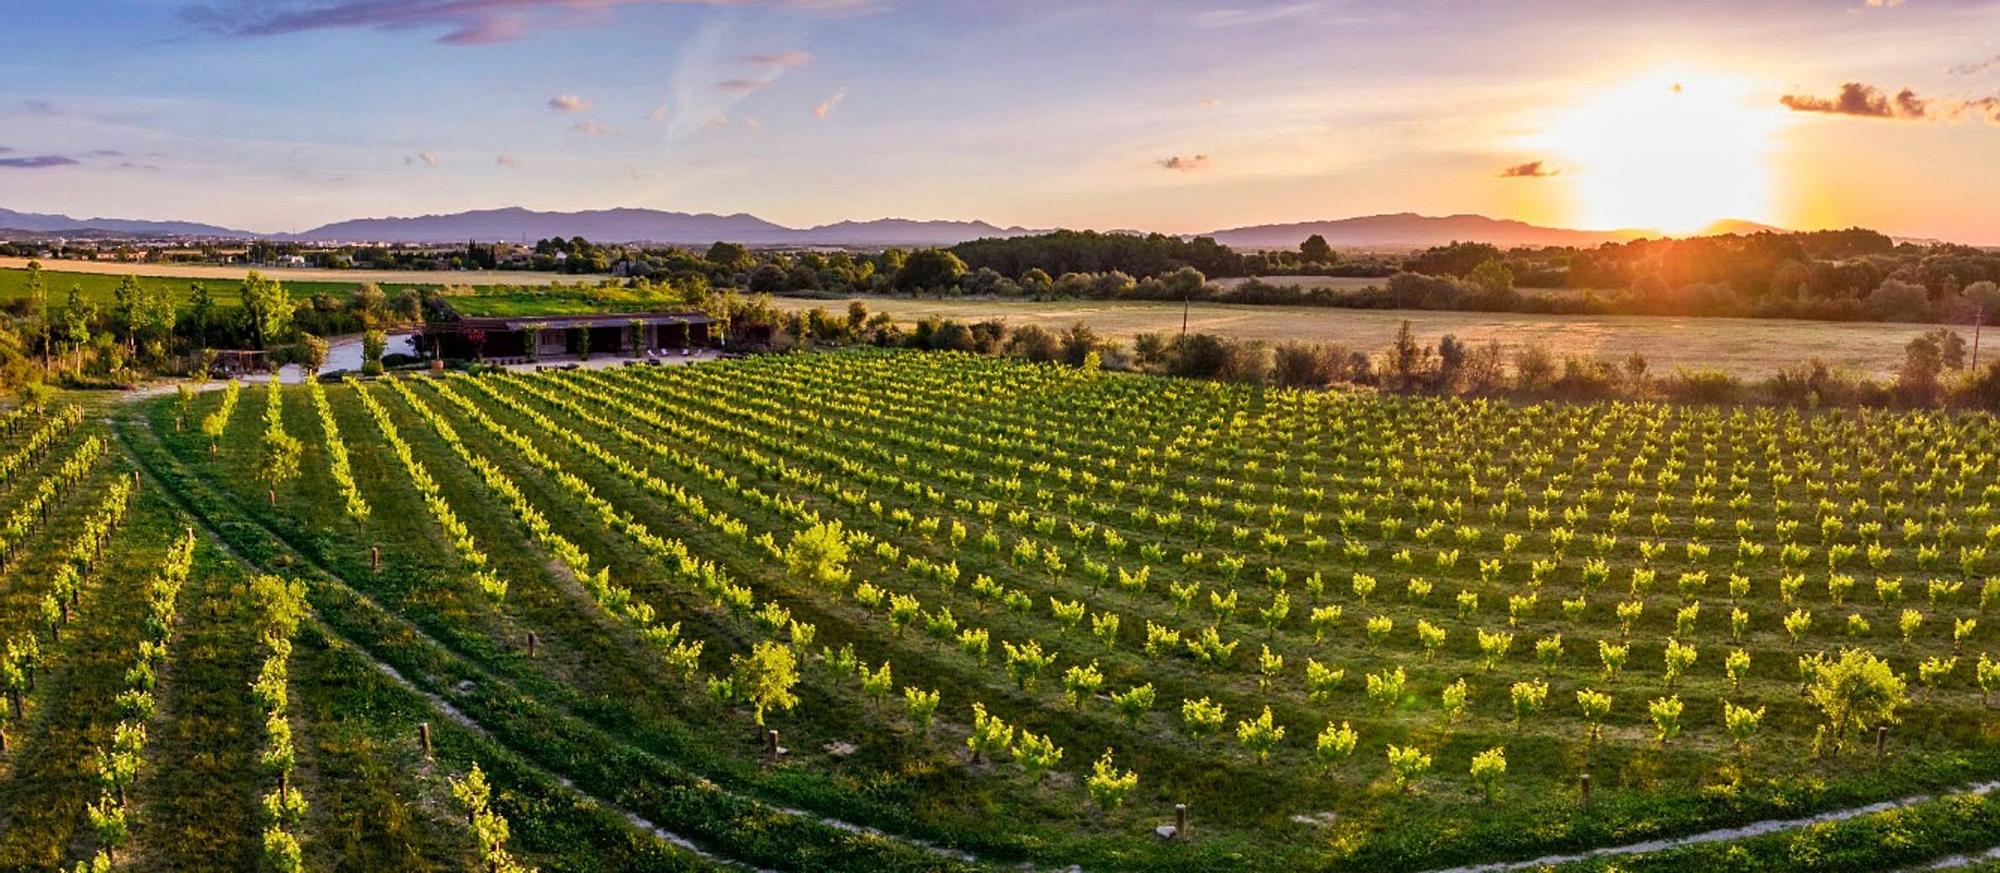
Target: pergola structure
236, 362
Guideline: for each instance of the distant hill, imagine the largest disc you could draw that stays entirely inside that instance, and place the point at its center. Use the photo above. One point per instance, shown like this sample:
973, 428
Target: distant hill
1739, 227
1402, 230
648, 225
63, 225
904, 231
1410, 230
517, 224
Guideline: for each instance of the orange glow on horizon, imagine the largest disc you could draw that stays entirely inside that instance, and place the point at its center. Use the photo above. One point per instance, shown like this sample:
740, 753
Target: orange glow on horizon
1673, 151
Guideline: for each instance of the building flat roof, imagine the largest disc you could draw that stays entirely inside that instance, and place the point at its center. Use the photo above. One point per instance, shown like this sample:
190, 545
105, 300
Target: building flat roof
564, 322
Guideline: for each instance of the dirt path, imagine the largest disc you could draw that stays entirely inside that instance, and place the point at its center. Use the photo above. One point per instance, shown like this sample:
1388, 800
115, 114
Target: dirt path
1725, 835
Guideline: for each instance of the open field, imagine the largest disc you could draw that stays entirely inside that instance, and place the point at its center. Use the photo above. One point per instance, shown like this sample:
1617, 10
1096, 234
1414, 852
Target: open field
224, 284
206, 273
1343, 283
1749, 348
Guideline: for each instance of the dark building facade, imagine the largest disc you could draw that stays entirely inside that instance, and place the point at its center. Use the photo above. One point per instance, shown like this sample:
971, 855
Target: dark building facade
538, 337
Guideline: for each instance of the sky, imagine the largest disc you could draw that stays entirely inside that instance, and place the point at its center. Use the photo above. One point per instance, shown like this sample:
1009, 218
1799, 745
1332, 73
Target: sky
1181, 116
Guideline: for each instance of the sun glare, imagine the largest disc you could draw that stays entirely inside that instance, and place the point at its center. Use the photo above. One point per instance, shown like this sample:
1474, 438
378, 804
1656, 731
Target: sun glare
1673, 152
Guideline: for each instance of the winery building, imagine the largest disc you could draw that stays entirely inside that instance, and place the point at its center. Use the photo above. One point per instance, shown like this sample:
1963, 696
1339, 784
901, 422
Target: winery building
476, 328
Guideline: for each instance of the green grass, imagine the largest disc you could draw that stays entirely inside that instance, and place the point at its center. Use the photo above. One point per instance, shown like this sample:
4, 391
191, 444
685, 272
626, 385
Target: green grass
499, 303
98, 288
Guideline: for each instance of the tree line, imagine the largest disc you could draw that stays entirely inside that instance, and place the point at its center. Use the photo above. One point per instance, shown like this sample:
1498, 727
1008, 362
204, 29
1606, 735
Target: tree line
1935, 371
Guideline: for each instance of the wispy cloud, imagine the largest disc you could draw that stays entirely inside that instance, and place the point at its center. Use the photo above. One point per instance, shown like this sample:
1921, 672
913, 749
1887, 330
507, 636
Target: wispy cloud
1529, 170
591, 128
428, 159
781, 60
742, 86
568, 103
826, 106
39, 107
38, 162
658, 114
1867, 101
1185, 163
509, 161
463, 22
1249, 15
1974, 68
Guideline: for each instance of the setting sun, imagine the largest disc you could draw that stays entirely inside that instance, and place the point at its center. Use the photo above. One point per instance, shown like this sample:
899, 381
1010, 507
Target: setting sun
1672, 152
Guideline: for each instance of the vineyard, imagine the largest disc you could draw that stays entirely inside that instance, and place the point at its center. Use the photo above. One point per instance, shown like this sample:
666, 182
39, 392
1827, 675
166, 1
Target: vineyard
903, 611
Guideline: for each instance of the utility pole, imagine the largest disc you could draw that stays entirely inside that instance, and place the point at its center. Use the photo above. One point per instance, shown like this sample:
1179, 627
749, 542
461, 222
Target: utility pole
1185, 295
1978, 322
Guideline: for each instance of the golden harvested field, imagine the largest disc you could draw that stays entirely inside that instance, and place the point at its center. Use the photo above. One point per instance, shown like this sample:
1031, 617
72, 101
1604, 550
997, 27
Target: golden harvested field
1746, 347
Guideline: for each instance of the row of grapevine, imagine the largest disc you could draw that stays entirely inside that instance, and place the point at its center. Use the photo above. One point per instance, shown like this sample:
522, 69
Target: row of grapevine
54, 428
280, 605
119, 763
470, 556
30, 512
1554, 644
682, 656
281, 451
217, 422
488, 827
1034, 753
336, 454
26, 655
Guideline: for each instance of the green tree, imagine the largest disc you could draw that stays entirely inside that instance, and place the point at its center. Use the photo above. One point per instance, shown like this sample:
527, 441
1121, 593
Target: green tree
37, 292
1316, 251
1493, 277
125, 303
1856, 692
77, 316
311, 354
766, 676
201, 313
374, 342
267, 310
929, 269
730, 256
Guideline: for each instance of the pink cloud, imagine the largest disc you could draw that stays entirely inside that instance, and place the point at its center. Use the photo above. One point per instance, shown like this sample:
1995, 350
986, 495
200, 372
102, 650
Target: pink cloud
742, 86
463, 22
780, 60
826, 106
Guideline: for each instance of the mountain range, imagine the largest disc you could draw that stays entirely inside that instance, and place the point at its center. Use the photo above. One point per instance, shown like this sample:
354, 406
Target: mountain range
515, 224
44, 223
